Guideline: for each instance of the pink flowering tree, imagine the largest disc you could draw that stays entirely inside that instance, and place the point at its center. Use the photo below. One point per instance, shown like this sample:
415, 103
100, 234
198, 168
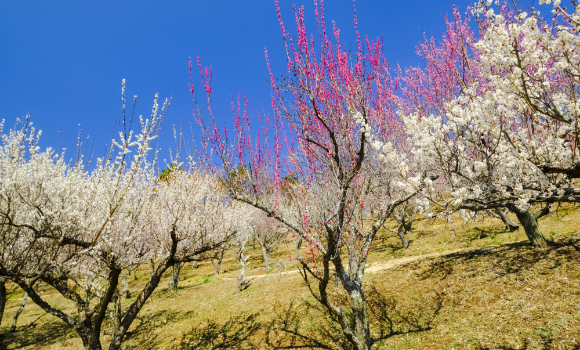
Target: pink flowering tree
318, 187
450, 66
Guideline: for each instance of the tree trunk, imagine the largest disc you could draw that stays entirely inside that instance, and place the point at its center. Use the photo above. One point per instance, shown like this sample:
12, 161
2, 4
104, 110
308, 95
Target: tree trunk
530, 223
409, 219
2, 297
116, 311
194, 263
126, 293
401, 233
242, 283
174, 280
265, 250
152, 267
217, 265
361, 331
266, 254
15, 319
404, 224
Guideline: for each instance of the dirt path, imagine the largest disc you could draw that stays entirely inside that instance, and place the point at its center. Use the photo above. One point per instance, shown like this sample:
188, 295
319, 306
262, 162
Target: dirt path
375, 267
401, 261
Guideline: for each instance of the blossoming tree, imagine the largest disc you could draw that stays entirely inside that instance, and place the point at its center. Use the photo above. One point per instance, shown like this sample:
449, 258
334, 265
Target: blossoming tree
508, 140
77, 230
322, 201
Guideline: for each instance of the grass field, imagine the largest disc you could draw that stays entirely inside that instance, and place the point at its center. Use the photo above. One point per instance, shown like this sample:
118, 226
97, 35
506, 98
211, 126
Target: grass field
475, 287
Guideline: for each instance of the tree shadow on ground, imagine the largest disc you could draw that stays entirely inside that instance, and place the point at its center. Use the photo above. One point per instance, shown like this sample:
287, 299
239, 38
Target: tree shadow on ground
381, 244
298, 325
508, 259
144, 335
546, 344
309, 325
57, 331
164, 292
32, 335
236, 333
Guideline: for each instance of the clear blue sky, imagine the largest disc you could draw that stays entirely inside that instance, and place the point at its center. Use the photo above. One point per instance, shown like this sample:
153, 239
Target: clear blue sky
63, 61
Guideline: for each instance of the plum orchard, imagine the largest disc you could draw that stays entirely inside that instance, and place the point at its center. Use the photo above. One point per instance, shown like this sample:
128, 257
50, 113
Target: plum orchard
489, 123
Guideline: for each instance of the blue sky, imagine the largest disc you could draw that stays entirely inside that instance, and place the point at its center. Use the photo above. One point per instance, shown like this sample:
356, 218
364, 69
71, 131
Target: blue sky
63, 61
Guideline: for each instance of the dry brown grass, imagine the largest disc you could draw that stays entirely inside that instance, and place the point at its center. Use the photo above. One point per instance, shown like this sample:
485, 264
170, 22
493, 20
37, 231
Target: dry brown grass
505, 297
495, 292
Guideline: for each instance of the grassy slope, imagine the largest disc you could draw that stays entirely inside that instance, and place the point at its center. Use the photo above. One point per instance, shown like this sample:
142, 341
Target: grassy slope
494, 292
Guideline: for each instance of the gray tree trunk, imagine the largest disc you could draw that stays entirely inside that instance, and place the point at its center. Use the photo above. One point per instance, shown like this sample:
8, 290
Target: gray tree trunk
529, 221
152, 267
242, 283
126, 292
405, 224
174, 280
266, 254
401, 232
266, 246
15, 319
361, 331
131, 313
116, 312
218, 264
356, 328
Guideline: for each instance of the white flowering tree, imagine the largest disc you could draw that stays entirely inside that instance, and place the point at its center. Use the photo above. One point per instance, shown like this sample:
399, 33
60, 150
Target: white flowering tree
534, 69
78, 230
509, 138
268, 232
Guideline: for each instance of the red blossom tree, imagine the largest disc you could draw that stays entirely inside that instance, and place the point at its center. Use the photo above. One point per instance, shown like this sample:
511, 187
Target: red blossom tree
319, 187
